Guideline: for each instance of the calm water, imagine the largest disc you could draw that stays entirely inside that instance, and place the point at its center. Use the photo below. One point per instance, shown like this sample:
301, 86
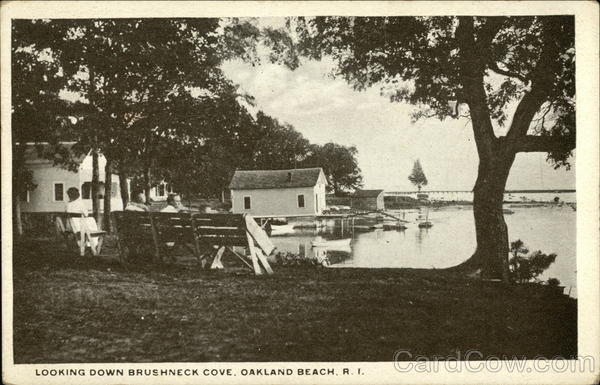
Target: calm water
467, 196
450, 241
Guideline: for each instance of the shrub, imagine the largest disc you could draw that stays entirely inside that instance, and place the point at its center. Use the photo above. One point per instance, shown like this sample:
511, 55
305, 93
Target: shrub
525, 266
553, 282
291, 259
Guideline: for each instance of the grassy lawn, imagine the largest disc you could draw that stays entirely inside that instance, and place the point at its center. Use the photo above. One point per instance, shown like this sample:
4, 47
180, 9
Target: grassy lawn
68, 309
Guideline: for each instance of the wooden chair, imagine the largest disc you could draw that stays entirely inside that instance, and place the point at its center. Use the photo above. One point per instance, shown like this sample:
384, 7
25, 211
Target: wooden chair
65, 223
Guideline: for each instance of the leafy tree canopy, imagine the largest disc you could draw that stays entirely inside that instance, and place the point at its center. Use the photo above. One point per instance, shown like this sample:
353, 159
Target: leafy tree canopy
417, 176
339, 164
529, 61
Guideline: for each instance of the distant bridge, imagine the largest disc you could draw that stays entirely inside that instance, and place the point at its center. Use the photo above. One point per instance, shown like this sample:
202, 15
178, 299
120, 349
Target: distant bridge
555, 191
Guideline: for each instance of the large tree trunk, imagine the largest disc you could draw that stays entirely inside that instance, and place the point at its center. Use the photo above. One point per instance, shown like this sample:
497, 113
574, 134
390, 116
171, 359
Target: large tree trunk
124, 188
491, 254
495, 160
147, 183
95, 185
107, 195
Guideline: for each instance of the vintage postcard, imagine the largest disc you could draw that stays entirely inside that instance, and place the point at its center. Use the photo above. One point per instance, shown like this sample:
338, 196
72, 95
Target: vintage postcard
300, 192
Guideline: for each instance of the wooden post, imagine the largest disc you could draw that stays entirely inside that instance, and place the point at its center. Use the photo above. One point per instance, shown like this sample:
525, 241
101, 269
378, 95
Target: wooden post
241, 257
155, 239
82, 233
119, 246
196, 241
217, 264
252, 249
262, 258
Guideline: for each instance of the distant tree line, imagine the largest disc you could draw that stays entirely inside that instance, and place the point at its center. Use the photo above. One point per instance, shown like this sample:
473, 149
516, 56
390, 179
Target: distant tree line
150, 96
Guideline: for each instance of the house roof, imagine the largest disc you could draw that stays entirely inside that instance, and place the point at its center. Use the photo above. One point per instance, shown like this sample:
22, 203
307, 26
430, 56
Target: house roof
366, 193
41, 153
266, 179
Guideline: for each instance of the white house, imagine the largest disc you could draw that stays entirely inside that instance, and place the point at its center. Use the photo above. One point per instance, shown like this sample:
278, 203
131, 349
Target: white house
53, 181
278, 193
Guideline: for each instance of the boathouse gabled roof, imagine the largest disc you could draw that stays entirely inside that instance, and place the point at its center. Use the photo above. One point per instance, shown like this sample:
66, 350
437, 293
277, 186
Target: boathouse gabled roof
269, 179
366, 193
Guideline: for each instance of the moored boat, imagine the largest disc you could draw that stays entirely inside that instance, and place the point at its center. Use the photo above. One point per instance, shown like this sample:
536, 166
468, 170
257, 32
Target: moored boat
423, 220
394, 226
282, 229
332, 243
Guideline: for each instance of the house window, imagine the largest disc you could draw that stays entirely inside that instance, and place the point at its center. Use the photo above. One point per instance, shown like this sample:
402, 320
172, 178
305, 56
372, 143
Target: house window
317, 202
59, 192
301, 200
160, 190
86, 190
247, 203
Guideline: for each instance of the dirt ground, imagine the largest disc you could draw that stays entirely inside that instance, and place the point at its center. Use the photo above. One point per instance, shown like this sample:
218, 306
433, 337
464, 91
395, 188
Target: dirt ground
68, 309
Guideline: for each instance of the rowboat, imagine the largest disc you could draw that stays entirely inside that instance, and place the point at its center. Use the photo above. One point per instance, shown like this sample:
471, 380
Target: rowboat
394, 226
282, 229
332, 243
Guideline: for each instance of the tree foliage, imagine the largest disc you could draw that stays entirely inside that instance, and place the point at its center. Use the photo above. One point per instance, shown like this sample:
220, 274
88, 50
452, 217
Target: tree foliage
417, 176
339, 164
525, 266
38, 114
141, 91
421, 60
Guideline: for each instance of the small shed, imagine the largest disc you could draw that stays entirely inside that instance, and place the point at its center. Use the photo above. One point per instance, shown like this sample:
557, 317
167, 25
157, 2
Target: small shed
367, 200
284, 193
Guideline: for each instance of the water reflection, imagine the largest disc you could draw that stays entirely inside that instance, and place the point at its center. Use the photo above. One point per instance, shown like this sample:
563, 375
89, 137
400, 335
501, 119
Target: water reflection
421, 234
449, 242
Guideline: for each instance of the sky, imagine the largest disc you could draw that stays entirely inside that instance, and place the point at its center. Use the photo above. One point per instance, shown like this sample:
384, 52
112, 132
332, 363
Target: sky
325, 109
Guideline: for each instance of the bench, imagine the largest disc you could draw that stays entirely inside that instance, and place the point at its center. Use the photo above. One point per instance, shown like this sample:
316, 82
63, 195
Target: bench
86, 236
207, 236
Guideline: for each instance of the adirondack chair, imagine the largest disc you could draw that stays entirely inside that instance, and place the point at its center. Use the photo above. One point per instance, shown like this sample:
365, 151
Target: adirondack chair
87, 236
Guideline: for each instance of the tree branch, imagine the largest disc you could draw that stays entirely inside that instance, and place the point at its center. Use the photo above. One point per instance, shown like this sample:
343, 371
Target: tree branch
526, 110
541, 81
546, 143
494, 67
488, 31
471, 75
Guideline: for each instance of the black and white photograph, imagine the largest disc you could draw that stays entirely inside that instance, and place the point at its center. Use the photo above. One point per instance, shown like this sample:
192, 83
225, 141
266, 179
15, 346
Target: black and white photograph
215, 194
